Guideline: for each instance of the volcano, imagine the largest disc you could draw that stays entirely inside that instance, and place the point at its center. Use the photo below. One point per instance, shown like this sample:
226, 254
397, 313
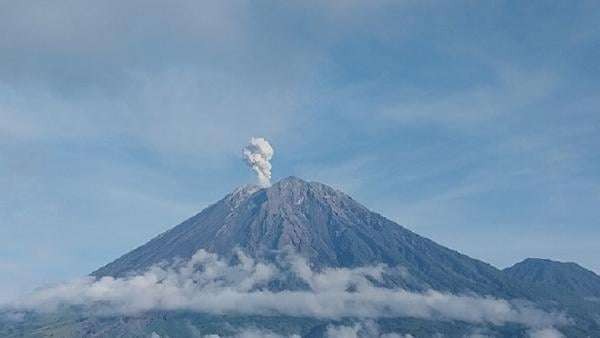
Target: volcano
333, 234
324, 225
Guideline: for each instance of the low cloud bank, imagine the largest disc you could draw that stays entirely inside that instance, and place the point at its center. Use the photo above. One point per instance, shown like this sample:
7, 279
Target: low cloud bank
209, 284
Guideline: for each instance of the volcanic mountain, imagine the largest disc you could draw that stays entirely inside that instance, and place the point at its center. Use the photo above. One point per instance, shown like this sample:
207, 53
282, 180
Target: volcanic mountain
328, 229
324, 225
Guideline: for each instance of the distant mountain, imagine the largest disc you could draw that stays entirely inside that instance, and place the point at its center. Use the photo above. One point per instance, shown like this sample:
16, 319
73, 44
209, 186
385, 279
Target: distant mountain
564, 286
324, 225
557, 278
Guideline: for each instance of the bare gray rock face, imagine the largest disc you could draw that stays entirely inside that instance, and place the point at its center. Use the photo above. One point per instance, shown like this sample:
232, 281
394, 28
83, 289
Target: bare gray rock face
324, 225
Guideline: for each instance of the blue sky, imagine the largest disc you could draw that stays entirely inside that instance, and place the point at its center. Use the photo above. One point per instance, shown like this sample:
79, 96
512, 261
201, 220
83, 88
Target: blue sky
475, 124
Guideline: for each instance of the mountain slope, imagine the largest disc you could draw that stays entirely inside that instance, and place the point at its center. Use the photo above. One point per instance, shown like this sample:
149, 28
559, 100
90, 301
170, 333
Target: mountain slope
575, 288
322, 224
564, 279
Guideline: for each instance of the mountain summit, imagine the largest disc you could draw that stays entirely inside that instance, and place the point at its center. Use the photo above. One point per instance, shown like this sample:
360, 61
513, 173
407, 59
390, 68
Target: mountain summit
324, 225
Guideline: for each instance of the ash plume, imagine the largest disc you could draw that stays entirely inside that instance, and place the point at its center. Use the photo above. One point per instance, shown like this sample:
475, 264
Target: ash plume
257, 155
